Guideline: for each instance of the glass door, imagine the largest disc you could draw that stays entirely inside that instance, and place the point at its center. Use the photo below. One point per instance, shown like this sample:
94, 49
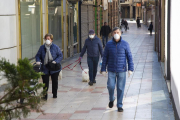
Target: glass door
54, 21
72, 30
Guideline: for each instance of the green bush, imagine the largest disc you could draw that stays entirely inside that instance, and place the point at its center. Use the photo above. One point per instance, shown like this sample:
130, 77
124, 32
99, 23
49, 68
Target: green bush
19, 78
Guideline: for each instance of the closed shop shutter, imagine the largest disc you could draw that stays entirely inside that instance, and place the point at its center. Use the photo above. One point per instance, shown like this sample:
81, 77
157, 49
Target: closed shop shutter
84, 23
91, 17
87, 21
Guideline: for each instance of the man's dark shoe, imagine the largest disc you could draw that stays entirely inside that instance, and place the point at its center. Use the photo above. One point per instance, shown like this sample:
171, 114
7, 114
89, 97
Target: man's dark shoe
120, 109
90, 83
111, 104
94, 81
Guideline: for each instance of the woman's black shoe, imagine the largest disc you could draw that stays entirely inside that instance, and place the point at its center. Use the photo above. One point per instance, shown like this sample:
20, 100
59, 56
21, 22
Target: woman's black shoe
54, 96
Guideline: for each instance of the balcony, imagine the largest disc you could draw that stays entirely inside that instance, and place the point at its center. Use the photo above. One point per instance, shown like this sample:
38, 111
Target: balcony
126, 2
73, 1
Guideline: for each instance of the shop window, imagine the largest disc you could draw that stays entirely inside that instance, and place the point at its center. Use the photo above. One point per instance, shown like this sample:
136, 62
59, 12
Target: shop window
54, 21
30, 27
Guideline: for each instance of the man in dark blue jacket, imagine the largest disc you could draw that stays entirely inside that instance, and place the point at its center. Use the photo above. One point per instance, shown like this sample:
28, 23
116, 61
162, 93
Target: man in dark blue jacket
94, 47
115, 55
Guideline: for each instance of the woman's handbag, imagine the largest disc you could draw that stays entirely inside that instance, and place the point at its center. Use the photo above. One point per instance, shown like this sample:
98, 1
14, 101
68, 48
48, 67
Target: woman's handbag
36, 68
53, 67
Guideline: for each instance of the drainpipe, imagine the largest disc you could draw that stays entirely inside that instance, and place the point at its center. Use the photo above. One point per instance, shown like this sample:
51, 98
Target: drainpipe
80, 45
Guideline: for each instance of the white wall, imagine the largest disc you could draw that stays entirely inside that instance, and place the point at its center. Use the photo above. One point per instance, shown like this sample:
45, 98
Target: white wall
175, 52
8, 41
166, 24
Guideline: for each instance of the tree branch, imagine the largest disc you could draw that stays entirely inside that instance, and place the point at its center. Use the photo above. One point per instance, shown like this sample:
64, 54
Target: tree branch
8, 93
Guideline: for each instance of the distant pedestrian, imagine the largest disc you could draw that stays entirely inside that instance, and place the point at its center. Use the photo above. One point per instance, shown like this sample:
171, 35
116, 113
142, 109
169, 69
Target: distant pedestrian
150, 28
126, 25
49, 54
116, 52
105, 30
122, 22
138, 22
93, 46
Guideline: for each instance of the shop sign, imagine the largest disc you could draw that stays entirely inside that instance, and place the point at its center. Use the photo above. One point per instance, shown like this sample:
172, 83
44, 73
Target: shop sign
51, 10
138, 4
105, 4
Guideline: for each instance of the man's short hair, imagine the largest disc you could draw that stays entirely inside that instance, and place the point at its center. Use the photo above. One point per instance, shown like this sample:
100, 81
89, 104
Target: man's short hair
116, 28
105, 22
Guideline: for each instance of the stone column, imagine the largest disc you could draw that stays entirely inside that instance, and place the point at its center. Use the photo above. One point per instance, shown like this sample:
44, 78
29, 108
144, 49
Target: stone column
45, 16
139, 12
136, 12
131, 11
162, 30
126, 12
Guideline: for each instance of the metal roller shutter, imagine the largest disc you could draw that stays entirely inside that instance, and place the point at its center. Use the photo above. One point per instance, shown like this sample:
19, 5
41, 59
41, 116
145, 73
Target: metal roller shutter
87, 21
91, 17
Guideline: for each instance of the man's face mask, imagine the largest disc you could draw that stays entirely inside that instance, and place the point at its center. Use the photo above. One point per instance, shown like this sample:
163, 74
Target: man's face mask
91, 36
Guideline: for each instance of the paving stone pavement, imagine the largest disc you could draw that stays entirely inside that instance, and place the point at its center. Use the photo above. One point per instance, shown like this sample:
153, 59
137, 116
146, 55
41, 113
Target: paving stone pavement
146, 95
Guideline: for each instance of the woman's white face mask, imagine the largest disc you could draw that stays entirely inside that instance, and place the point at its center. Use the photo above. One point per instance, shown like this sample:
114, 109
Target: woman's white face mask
48, 42
91, 36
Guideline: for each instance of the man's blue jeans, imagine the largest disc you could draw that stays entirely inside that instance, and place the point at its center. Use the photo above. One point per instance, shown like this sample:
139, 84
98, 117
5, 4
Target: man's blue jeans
92, 64
103, 38
120, 78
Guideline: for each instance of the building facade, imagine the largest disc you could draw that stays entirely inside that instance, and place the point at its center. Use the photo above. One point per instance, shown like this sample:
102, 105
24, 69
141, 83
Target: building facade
167, 47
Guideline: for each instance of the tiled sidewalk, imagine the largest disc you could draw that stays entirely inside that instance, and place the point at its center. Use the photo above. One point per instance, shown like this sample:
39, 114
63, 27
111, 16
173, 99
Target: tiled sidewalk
146, 95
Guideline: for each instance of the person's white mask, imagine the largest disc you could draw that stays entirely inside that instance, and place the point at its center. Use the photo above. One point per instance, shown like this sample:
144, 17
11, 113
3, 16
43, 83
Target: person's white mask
91, 36
116, 36
48, 42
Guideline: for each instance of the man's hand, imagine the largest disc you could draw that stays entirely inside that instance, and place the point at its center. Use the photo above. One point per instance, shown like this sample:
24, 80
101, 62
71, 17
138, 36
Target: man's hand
54, 62
129, 73
38, 63
103, 73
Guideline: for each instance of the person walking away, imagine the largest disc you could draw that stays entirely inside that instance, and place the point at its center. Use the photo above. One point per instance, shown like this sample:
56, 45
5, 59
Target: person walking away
114, 58
49, 54
105, 30
151, 28
138, 22
126, 25
122, 22
93, 46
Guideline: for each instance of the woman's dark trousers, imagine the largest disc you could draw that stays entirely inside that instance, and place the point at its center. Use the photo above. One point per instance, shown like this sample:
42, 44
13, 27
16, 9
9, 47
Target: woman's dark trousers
54, 78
